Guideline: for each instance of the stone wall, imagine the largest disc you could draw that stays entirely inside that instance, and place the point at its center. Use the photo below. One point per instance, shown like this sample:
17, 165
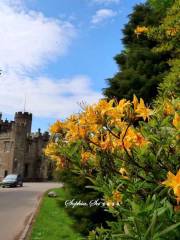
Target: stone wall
6, 153
21, 151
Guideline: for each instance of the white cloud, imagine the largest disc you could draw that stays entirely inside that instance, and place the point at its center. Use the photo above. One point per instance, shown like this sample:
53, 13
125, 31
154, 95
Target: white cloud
102, 15
106, 1
45, 97
28, 41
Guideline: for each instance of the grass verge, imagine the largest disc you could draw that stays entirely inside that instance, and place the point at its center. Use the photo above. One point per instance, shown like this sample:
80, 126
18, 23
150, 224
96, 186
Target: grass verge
52, 221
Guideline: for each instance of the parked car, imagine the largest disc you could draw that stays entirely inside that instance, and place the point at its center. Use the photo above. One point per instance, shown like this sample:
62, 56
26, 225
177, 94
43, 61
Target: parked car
12, 180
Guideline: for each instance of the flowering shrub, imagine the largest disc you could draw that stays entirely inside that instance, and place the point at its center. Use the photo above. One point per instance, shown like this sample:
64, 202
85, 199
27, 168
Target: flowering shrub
130, 152
125, 149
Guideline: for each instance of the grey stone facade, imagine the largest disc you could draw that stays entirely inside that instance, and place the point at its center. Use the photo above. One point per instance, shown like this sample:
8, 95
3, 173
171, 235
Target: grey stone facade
21, 151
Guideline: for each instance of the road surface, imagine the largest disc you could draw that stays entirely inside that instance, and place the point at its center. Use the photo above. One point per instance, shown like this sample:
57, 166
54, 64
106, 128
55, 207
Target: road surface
17, 206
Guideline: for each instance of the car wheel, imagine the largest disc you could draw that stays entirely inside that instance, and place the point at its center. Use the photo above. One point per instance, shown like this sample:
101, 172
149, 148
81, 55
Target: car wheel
3, 186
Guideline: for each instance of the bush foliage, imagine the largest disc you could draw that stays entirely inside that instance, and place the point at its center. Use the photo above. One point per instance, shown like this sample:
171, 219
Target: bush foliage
130, 152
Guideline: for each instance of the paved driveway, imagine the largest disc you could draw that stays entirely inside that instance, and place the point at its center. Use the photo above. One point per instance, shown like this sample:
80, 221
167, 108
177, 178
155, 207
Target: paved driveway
17, 206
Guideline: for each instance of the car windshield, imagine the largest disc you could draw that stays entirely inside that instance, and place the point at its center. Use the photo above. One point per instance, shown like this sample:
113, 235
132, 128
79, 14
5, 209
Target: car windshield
11, 177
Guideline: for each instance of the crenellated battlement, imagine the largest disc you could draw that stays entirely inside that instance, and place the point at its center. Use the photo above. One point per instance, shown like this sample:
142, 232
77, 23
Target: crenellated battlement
38, 135
25, 115
5, 125
23, 119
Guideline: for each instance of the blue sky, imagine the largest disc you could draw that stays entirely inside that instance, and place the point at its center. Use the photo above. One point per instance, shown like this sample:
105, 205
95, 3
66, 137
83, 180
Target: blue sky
57, 54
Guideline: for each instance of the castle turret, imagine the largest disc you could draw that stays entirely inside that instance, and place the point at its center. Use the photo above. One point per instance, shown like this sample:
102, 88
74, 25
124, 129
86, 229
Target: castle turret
24, 119
22, 128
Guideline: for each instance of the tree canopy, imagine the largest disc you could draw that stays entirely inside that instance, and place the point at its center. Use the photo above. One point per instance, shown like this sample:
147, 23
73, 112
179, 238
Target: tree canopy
140, 69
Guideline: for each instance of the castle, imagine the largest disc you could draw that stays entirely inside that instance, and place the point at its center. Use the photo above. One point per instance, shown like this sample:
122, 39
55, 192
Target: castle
21, 151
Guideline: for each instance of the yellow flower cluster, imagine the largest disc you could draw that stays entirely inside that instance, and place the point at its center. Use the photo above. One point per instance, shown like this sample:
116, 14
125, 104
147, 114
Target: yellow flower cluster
173, 181
140, 29
52, 152
86, 156
56, 127
107, 125
141, 109
170, 107
171, 32
114, 200
117, 197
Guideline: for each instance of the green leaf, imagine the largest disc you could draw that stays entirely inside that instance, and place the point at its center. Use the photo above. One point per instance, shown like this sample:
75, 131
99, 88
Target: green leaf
151, 226
159, 152
167, 230
161, 210
127, 229
123, 236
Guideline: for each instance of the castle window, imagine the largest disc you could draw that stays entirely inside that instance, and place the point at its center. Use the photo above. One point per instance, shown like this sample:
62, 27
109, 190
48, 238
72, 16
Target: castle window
7, 146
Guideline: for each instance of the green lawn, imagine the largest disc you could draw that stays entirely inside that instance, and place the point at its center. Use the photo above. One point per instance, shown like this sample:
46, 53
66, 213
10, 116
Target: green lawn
52, 222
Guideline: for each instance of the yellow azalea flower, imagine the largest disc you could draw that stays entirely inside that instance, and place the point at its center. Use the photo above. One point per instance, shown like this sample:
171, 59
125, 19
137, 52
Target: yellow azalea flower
93, 116
106, 106
94, 128
128, 144
123, 103
173, 181
56, 127
140, 29
85, 156
123, 172
116, 143
118, 123
117, 197
130, 134
168, 108
176, 121
82, 132
143, 111
132, 139
140, 140
60, 162
94, 139
51, 149
107, 143
82, 120
135, 102
129, 139
114, 114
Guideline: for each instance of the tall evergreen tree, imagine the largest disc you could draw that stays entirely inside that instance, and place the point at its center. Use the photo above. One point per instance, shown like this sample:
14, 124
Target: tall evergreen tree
140, 69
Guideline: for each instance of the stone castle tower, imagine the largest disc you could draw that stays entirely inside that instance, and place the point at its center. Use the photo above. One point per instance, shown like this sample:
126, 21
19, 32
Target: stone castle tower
21, 151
